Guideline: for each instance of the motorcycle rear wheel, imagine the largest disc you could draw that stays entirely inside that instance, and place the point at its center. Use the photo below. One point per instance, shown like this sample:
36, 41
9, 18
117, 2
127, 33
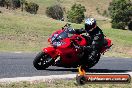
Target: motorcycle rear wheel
90, 64
42, 61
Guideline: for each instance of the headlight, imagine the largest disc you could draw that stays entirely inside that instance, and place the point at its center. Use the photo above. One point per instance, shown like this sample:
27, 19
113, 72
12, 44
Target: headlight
56, 44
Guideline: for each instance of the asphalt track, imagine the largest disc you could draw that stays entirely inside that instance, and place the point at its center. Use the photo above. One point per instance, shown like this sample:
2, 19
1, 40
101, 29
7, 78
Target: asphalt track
20, 65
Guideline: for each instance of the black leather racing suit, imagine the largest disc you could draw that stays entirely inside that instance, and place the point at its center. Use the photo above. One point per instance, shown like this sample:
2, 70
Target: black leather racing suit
96, 41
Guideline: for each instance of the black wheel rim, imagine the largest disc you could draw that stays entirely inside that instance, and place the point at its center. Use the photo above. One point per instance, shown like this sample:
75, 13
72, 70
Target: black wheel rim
44, 59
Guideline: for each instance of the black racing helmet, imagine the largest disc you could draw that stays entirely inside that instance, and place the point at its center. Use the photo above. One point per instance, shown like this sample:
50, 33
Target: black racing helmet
90, 23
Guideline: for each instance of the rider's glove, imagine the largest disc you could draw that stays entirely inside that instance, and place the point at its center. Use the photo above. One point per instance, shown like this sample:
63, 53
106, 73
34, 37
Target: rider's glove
79, 31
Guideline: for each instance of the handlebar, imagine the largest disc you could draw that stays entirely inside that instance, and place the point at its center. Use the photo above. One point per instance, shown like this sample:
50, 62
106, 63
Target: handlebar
66, 26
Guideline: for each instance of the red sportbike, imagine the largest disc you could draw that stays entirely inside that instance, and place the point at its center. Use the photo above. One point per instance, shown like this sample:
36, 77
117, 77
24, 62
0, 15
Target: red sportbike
64, 52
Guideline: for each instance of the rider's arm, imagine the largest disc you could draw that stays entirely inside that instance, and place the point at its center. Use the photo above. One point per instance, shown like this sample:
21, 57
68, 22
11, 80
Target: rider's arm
80, 31
96, 43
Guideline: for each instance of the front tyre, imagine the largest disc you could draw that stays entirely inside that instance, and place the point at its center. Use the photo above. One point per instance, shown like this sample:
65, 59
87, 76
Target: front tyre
42, 61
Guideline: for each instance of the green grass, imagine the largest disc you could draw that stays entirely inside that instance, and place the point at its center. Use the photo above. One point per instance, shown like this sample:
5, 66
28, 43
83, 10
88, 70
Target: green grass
90, 5
29, 33
122, 41
26, 32
62, 84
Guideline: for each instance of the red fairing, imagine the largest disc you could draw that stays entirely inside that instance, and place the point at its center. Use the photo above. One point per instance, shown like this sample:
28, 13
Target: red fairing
109, 41
51, 51
56, 32
108, 45
67, 43
82, 41
68, 53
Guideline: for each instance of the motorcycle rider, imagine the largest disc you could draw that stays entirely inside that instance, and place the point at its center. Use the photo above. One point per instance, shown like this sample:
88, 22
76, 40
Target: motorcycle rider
96, 41
96, 37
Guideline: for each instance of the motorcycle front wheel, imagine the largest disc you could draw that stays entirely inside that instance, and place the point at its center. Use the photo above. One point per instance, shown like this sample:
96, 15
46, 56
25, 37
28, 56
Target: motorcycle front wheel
42, 61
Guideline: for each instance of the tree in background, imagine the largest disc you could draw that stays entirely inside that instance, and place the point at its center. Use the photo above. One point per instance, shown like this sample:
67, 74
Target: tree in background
16, 4
31, 7
22, 4
130, 16
121, 13
2, 3
76, 14
10, 4
55, 12
130, 26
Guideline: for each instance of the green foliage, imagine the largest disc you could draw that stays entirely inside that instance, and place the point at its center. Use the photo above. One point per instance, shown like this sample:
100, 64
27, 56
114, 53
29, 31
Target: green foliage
2, 3
130, 26
7, 3
119, 25
98, 11
105, 13
55, 12
120, 12
31, 7
10, 4
16, 4
22, 4
76, 14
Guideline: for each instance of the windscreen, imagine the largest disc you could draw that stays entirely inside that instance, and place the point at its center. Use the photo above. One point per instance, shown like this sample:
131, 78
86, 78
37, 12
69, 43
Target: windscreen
57, 37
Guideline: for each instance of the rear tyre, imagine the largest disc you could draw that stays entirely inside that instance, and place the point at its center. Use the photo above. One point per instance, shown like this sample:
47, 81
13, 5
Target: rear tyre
42, 61
93, 62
